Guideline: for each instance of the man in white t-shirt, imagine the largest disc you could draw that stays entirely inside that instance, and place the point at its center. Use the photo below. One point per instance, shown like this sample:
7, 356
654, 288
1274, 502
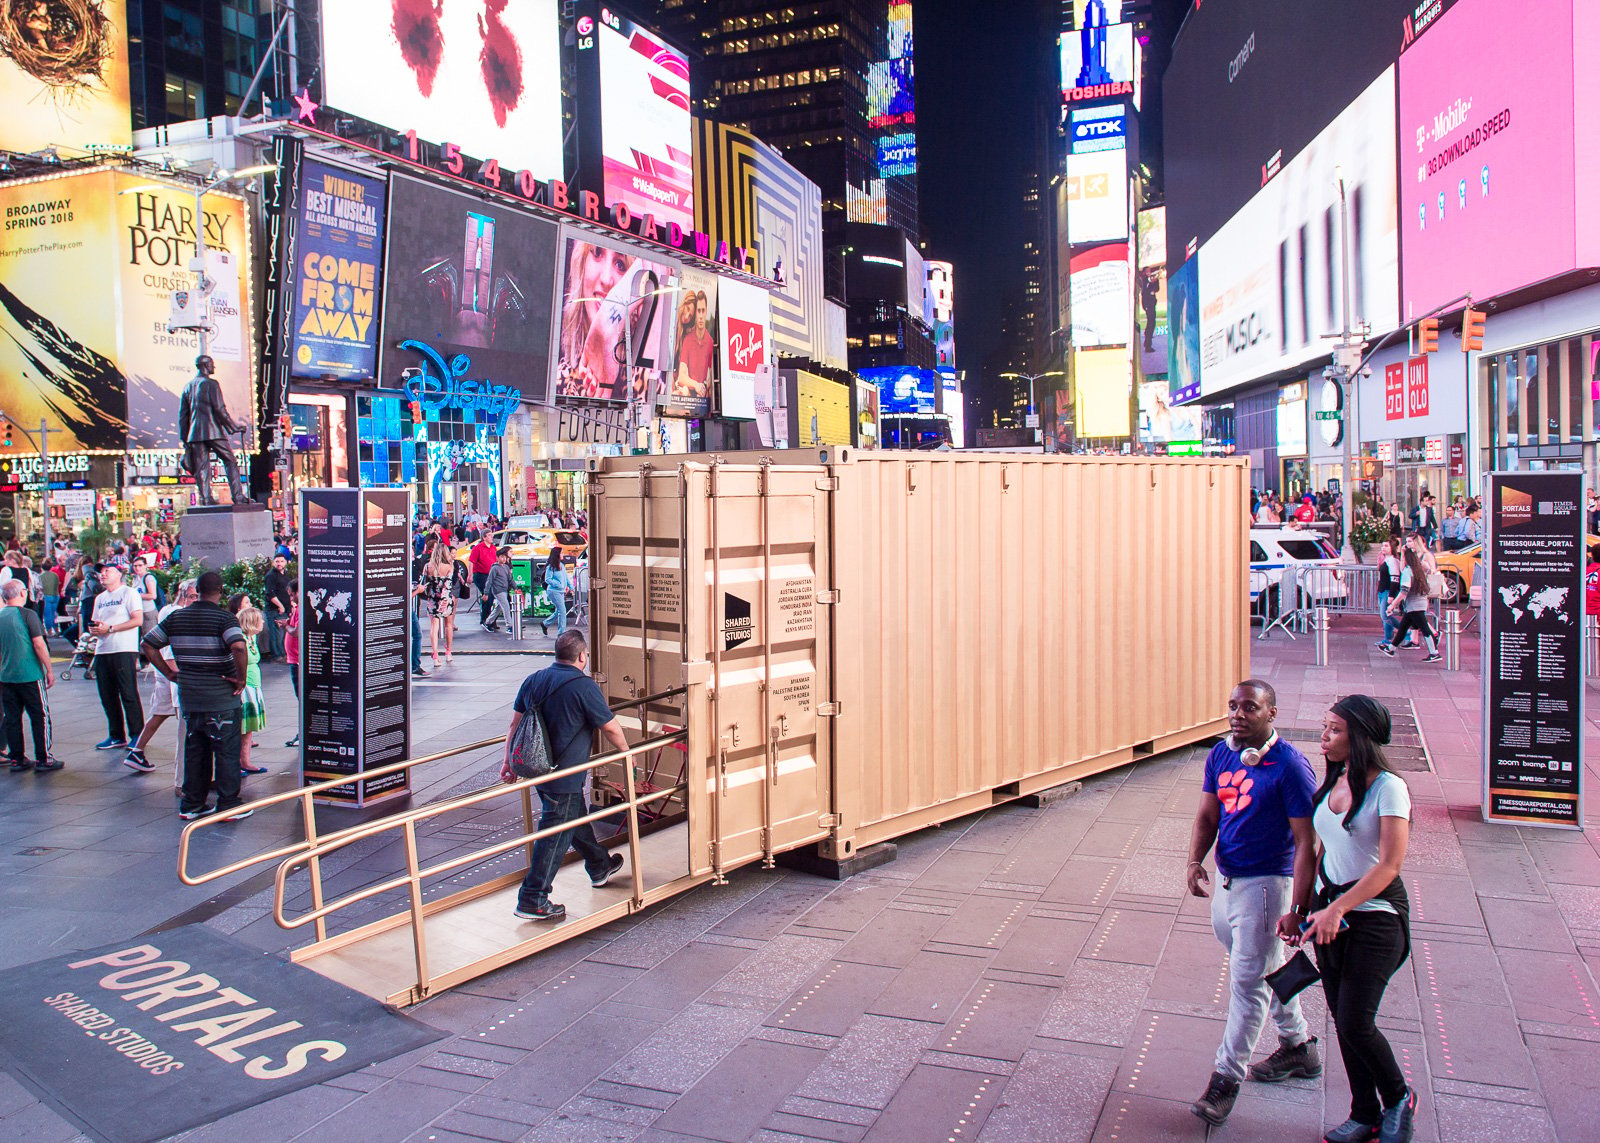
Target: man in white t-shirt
163, 697
116, 621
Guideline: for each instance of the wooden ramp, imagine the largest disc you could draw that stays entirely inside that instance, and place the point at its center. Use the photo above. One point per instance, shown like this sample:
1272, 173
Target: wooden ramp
473, 932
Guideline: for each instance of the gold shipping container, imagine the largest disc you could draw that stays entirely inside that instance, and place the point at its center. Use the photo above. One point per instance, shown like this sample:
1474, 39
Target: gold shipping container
887, 641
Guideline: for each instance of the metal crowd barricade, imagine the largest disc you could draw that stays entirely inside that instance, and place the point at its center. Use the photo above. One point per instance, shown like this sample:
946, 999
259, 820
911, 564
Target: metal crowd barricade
1290, 614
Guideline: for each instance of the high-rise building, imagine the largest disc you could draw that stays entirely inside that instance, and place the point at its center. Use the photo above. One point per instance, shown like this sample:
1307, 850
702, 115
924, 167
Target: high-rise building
190, 59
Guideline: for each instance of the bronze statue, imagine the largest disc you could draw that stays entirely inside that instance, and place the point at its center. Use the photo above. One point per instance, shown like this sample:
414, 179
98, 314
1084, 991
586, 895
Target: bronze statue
204, 427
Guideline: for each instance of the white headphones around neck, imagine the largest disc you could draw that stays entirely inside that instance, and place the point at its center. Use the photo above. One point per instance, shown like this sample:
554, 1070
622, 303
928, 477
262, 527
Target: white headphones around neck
1252, 755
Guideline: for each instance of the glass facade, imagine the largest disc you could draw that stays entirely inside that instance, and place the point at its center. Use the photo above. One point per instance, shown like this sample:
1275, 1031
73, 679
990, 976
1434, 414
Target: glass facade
1539, 405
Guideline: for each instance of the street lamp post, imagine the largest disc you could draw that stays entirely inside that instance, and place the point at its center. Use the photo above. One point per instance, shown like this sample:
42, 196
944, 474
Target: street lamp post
43, 445
1030, 378
1345, 371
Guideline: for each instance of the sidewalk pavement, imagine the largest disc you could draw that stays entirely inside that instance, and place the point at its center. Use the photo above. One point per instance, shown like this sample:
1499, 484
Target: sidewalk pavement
1017, 975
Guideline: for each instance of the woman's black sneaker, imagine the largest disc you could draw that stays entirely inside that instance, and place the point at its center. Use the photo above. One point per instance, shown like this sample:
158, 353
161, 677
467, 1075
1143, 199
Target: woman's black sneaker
1400, 1121
1352, 1131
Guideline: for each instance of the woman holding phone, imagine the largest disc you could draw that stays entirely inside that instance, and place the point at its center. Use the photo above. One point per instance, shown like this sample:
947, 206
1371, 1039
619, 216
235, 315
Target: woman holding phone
1360, 923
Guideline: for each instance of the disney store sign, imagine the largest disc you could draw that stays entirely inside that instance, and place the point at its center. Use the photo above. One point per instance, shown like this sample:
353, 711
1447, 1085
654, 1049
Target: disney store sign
442, 384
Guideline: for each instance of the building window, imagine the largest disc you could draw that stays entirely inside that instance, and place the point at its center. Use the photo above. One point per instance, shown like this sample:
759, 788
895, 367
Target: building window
185, 98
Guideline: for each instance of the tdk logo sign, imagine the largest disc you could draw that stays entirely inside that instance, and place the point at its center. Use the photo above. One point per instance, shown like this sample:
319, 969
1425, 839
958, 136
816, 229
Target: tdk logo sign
1099, 130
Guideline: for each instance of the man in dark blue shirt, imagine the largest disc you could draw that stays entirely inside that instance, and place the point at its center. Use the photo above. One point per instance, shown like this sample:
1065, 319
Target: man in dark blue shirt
1255, 805
573, 708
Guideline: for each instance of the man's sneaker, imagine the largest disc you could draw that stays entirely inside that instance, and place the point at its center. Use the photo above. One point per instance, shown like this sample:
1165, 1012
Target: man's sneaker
46, 767
111, 744
549, 911
238, 815
612, 865
1288, 1061
190, 815
419, 672
18, 767
1217, 1103
1387, 649
137, 761
1433, 658
1351, 1131
1399, 1121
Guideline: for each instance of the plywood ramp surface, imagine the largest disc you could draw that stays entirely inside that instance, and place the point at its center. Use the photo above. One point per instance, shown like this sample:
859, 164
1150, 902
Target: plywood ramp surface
478, 933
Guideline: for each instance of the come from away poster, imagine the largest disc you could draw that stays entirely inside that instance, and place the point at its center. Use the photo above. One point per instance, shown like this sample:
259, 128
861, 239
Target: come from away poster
339, 273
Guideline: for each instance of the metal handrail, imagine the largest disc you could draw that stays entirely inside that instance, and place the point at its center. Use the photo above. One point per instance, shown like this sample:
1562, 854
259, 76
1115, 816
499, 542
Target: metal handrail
415, 874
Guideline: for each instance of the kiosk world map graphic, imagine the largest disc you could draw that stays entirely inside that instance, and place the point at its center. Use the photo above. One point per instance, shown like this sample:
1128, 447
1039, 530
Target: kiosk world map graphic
1520, 598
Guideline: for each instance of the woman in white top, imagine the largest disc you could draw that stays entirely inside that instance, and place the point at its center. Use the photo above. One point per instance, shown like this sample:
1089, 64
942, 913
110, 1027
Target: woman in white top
1411, 601
1361, 922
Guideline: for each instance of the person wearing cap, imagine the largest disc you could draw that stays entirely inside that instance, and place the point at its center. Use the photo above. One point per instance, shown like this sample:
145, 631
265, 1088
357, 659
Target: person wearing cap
1307, 512
1255, 806
1360, 924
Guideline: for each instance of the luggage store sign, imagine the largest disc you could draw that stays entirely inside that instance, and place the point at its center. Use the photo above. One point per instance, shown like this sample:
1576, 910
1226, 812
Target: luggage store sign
1533, 650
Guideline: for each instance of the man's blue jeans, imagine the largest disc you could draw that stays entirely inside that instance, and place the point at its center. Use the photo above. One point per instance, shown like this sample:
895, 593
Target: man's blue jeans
416, 641
548, 851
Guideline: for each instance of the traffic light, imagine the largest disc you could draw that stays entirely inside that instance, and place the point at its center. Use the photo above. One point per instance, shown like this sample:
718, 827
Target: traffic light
1471, 330
1428, 335
5, 428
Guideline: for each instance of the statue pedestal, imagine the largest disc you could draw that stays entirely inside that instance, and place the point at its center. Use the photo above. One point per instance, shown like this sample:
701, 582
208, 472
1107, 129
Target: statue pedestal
216, 535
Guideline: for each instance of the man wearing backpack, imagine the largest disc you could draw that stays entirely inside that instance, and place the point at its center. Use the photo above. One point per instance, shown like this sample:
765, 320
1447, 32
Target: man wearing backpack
569, 707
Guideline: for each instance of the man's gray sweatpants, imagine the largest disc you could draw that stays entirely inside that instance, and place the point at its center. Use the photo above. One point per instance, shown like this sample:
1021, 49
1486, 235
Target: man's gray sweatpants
1245, 919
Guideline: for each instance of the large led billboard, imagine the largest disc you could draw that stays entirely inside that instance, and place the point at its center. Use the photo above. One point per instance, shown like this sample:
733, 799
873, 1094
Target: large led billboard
1270, 289
1183, 332
1487, 158
1098, 62
485, 78
904, 391
1150, 292
1103, 379
89, 266
472, 281
644, 122
890, 93
1097, 196
939, 311
615, 302
1102, 128
338, 272
64, 75
1102, 301
748, 366
897, 155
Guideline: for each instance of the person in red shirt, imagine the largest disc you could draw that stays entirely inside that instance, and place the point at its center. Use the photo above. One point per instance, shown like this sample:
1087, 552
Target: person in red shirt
1591, 581
1307, 512
696, 350
481, 558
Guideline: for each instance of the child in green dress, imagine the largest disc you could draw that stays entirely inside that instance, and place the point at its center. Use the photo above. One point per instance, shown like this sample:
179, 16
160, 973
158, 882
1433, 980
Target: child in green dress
252, 623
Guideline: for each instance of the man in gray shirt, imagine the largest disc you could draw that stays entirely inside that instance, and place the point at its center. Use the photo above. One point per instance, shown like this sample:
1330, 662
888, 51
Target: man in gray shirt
209, 669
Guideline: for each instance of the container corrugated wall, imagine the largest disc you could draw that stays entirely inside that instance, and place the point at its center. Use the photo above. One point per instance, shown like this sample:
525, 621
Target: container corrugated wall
1007, 623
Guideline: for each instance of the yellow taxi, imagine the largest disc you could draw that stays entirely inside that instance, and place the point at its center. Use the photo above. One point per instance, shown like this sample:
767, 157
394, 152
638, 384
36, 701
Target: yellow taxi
1460, 568
535, 544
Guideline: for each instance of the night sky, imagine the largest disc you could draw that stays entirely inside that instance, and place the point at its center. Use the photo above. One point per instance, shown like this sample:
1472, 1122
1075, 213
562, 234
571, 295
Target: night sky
974, 69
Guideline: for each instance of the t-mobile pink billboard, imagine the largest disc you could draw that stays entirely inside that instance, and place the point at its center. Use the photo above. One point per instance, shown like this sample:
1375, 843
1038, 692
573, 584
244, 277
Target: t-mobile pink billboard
1487, 178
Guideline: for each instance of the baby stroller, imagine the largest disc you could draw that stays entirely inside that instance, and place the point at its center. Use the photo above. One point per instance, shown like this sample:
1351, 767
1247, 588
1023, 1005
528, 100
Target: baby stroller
82, 656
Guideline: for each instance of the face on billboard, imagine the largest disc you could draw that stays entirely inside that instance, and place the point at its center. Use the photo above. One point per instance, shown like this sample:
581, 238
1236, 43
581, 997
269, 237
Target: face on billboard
468, 278
486, 78
1102, 304
1097, 63
1097, 196
1486, 158
1155, 418
1269, 280
694, 362
64, 74
644, 87
614, 301
1104, 379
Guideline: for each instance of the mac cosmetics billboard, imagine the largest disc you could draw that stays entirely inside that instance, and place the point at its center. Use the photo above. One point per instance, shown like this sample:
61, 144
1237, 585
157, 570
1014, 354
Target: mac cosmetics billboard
485, 77
1270, 289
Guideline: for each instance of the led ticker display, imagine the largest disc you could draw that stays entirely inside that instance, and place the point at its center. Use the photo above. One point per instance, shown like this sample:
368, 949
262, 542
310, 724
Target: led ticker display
897, 155
486, 78
645, 125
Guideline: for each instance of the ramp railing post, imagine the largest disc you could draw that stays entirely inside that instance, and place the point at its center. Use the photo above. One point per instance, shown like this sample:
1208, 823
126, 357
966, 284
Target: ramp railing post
528, 819
635, 878
1320, 621
308, 815
419, 933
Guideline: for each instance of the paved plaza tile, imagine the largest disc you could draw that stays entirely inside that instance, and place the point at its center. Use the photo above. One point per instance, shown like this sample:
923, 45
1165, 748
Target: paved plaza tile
1015, 976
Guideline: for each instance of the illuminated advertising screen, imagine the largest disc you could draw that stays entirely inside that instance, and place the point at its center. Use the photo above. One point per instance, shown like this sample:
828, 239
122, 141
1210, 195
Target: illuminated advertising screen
939, 310
1155, 416
1183, 326
890, 99
92, 268
694, 353
64, 75
1270, 292
748, 364
486, 78
648, 147
1098, 63
867, 204
471, 281
338, 272
1104, 380
1082, 12
1102, 302
953, 405
614, 302
897, 155
1150, 292
1097, 128
1097, 196
904, 391
1486, 153
1291, 420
